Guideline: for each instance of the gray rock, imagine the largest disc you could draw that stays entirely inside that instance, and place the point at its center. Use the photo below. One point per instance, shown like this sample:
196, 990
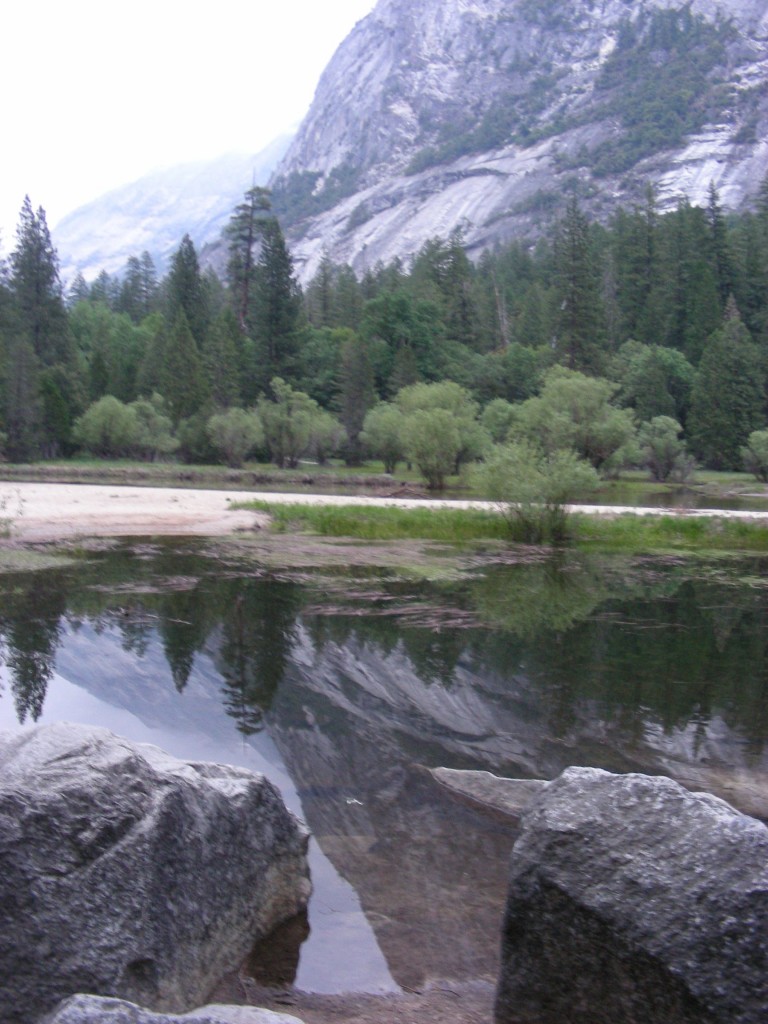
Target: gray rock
634, 900
82, 1009
507, 797
124, 872
411, 76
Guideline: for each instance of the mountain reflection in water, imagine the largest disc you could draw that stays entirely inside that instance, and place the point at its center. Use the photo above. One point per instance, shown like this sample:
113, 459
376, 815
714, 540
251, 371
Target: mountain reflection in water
344, 686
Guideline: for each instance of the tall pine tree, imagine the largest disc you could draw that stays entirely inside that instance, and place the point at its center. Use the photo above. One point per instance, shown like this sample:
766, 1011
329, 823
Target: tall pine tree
276, 307
579, 321
37, 295
185, 291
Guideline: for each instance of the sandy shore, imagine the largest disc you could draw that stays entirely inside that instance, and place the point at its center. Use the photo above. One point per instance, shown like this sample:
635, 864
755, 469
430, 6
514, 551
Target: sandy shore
42, 512
61, 511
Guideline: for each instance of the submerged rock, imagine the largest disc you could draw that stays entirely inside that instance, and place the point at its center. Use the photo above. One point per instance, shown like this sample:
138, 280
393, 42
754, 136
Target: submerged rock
509, 798
125, 872
82, 1009
632, 899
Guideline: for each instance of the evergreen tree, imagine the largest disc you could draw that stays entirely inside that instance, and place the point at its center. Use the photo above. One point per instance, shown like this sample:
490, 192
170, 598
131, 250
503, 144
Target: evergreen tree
21, 411
244, 233
78, 290
182, 379
750, 258
106, 290
442, 274
719, 240
727, 402
276, 306
185, 291
357, 394
318, 299
36, 289
693, 309
58, 408
347, 308
222, 359
579, 327
635, 246
149, 375
138, 291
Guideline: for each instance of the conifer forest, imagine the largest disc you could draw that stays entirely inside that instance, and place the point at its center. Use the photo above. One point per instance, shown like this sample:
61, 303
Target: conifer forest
641, 342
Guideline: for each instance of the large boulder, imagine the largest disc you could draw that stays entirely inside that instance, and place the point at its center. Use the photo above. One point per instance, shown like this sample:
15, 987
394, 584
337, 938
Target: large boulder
125, 872
83, 1009
633, 900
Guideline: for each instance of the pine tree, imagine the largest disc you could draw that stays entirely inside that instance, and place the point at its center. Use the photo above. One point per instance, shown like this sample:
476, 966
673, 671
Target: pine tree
276, 306
222, 355
36, 289
21, 407
635, 244
182, 378
357, 394
693, 310
719, 240
243, 233
138, 291
185, 291
579, 328
106, 290
318, 299
728, 395
348, 299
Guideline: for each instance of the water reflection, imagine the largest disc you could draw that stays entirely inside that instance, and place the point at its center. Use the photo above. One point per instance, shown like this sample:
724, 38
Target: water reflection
345, 684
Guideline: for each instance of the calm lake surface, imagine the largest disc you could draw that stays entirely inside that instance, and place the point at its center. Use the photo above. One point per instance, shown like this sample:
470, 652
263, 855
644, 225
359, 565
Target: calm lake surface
345, 685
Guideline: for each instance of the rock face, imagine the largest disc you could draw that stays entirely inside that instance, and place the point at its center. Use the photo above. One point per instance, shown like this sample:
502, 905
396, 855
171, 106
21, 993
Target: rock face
482, 114
633, 900
98, 1010
124, 872
155, 212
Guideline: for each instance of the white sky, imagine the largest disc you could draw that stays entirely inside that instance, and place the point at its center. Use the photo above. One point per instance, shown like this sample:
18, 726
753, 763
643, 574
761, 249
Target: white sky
97, 93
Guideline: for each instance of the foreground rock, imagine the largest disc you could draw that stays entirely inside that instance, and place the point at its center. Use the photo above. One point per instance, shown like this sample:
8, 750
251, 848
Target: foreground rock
82, 1009
634, 900
125, 872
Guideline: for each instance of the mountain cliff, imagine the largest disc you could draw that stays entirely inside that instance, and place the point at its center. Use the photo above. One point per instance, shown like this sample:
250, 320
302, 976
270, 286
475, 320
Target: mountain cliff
482, 114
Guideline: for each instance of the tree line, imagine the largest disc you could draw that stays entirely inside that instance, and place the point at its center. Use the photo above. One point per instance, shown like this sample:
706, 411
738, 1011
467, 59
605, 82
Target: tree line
641, 341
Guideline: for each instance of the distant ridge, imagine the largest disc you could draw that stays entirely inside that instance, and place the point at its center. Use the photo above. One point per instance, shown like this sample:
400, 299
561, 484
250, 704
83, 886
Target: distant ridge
156, 211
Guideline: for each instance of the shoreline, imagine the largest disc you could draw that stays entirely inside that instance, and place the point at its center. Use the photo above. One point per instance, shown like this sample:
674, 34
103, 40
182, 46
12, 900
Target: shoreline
61, 511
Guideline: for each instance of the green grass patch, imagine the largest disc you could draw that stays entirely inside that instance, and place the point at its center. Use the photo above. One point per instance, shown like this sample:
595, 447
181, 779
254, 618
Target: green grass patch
629, 533
370, 522
633, 533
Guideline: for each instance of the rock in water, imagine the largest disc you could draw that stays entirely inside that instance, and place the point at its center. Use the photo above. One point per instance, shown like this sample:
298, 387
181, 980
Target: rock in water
97, 1010
633, 900
125, 872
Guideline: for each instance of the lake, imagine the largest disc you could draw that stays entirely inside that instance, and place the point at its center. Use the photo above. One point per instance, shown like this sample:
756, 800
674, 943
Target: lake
345, 683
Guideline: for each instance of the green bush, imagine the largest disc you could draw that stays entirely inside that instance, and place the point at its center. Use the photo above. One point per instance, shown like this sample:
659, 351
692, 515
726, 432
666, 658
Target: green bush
533, 489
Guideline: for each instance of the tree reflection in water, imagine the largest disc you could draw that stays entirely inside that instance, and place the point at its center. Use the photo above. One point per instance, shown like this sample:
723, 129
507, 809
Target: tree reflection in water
670, 641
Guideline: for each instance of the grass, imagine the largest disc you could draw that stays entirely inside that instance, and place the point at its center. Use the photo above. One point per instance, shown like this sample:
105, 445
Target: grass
455, 526
669, 533
628, 533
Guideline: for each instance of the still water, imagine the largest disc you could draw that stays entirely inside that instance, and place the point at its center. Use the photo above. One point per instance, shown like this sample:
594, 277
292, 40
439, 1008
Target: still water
345, 686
